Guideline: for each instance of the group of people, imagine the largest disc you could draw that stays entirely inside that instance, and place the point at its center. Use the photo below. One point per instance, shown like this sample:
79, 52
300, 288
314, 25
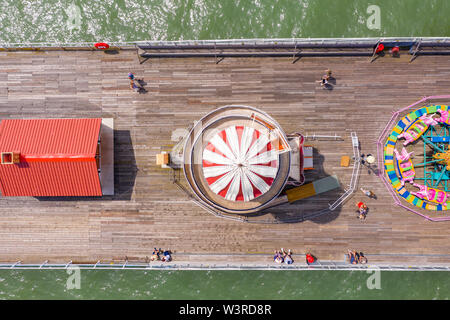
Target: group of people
136, 84
161, 255
354, 257
368, 159
282, 256
362, 210
362, 207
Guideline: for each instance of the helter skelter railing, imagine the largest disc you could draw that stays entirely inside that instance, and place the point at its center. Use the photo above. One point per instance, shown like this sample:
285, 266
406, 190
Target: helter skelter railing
305, 216
380, 154
355, 173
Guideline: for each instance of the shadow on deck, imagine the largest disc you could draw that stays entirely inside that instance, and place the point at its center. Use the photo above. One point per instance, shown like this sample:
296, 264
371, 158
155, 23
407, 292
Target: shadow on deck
315, 208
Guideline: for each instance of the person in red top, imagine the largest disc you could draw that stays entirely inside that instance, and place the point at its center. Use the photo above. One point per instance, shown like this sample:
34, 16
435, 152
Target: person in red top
395, 51
380, 48
310, 258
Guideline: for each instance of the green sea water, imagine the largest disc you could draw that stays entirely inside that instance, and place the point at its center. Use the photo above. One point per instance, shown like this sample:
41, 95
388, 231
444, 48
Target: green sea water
131, 20
285, 284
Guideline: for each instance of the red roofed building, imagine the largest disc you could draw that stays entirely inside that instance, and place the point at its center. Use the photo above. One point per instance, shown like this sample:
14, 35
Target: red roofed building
50, 157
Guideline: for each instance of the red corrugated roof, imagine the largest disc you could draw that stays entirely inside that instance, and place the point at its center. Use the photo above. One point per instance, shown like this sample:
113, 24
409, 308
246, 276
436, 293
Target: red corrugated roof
57, 157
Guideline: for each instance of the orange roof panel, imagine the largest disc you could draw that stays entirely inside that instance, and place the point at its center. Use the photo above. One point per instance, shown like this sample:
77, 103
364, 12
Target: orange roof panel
57, 157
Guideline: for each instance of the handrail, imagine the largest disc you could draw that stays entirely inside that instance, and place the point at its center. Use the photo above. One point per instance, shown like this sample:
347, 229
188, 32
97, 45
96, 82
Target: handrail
318, 136
355, 172
311, 215
296, 42
325, 265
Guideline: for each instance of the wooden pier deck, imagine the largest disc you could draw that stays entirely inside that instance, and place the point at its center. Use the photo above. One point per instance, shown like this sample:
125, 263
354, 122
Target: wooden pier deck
149, 211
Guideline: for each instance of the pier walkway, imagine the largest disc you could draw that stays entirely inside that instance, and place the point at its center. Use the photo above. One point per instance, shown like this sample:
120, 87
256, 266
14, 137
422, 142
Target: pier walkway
148, 210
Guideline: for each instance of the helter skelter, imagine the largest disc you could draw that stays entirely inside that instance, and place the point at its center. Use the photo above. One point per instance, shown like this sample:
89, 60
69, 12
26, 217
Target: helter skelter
237, 159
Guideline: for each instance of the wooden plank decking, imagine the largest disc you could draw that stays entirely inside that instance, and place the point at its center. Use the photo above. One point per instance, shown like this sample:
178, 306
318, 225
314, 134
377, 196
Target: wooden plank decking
147, 210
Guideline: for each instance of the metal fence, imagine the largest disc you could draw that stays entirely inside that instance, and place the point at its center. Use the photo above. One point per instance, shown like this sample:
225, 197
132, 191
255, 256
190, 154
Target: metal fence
307, 216
324, 265
355, 173
295, 42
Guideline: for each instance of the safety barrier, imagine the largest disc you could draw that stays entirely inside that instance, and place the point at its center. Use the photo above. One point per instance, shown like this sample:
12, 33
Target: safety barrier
355, 173
323, 265
322, 137
295, 43
311, 215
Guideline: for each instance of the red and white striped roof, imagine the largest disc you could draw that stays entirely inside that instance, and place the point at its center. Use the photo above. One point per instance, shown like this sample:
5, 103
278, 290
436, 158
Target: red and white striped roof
240, 163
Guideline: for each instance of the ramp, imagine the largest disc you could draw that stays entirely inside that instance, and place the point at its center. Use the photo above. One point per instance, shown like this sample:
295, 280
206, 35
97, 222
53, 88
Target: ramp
313, 188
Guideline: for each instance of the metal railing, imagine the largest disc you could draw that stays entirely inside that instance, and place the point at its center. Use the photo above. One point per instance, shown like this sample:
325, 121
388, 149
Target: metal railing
355, 173
63, 45
299, 42
307, 216
296, 42
321, 136
320, 265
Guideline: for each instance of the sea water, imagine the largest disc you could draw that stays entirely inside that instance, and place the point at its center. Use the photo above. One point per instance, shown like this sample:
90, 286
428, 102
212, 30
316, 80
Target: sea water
130, 20
246, 284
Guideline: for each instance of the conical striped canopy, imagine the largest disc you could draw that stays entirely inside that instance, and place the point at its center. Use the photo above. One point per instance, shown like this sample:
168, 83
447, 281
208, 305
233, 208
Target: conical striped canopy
240, 163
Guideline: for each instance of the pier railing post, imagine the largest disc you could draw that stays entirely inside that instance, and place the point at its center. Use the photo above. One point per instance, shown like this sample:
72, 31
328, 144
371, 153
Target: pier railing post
45, 262
414, 54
